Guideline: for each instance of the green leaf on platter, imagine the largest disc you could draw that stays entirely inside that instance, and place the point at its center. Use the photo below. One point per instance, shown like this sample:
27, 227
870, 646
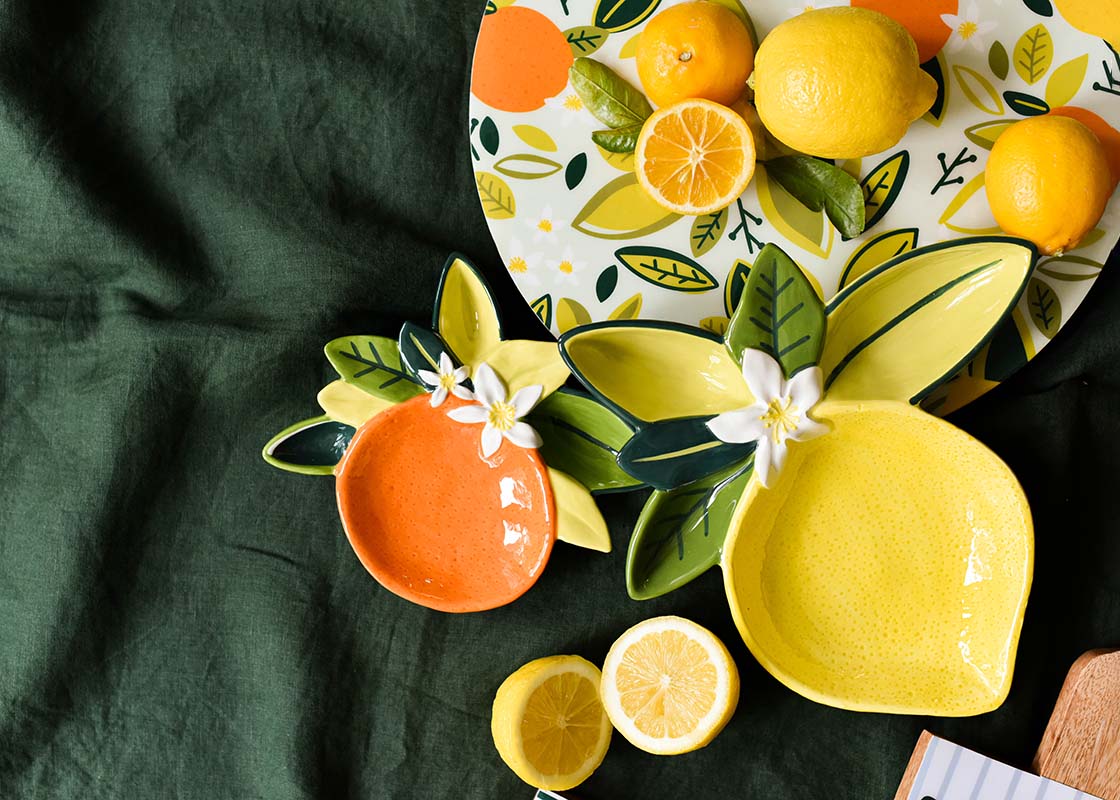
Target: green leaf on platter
882, 186
609, 97
985, 134
535, 137
735, 285
373, 364
628, 309
420, 349
680, 534
800, 225
978, 90
820, 185
670, 454
570, 314
311, 447
667, 269
542, 307
998, 60
779, 313
716, 325
935, 68
1025, 104
619, 15
706, 232
582, 437
605, 285
1070, 268
1066, 80
576, 169
585, 39
910, 324
1033, 54
488, 136
1010, 349
496, 196
618, 140
882, 248
622, 210
527, 166
1046, 308
466, 316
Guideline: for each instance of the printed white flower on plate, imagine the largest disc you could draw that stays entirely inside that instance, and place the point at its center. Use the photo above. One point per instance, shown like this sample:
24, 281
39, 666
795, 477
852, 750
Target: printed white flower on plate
571, 108
779, 414
566, 267
967, 29
449, 380
522, 265
545, 227
814, 5
501, 415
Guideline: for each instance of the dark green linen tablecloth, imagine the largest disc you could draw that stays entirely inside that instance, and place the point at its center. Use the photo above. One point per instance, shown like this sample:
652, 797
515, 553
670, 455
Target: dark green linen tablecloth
194, 197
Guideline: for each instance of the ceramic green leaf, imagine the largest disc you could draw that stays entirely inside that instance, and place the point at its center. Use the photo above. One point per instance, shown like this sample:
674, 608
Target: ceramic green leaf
420, 349
373, 363
465, 314
582, 438
779, 313
680, 533
675, 452
310, 447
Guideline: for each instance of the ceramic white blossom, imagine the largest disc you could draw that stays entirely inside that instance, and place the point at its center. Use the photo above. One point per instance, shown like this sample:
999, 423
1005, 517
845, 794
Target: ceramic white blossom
501, 415
779, 414
448, 381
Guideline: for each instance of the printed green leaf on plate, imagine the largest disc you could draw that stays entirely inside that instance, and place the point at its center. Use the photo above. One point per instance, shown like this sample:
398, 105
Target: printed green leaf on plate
542, 307
535, 137
1033, 54
706, 232
667, 269
373, 364
628, 309
1026, 104
998, 61
619, 15
882, 186
804, 227
311, 447
622, 210
607, 95
585, 40
576, 169
935, 67
735, 285
876, 251
618, 140
1045, 307
1070, 268
779, 313
669, 454
488, 136
630, 49
497, 198
1066, 80
820, 185
680, 534
606, 283
582, 438
716, 325
967, 205
527, 166
570, 314
984, 134
978, 90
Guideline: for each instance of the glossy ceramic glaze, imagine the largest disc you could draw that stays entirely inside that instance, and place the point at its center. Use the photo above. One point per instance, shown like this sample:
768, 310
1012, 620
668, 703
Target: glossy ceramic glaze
889, 567
435, 522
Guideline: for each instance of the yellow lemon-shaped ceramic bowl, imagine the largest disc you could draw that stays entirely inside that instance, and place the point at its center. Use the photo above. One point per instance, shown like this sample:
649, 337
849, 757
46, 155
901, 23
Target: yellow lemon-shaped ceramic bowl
888, 568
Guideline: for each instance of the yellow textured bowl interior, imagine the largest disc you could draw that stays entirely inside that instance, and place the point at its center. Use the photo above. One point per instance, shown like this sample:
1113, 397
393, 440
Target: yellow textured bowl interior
888, 568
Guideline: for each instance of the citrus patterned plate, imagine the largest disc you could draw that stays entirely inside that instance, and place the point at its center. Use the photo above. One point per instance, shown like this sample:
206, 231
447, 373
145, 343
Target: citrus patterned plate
584, 244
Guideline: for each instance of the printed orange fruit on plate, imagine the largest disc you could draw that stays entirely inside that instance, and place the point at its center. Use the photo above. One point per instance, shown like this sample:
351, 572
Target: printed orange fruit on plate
521, 59
921, 19
437, 523
695, 157
1108, 135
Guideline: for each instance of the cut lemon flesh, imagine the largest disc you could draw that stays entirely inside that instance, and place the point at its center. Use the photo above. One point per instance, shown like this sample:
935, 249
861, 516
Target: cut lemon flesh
669, 685
695, 157
548, 722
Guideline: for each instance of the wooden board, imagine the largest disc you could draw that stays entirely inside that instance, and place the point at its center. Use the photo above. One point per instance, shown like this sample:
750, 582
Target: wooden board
912, 768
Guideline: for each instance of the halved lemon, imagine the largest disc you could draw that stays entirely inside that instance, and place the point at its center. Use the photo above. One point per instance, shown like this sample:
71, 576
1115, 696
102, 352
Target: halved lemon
695, 157
548, 722
669, 685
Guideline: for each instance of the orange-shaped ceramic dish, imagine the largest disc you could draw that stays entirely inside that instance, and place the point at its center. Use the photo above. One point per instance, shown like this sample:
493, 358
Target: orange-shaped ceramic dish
436, 523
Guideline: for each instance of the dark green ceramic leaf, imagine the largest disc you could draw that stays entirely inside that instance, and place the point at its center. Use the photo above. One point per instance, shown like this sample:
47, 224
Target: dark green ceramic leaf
680, 534
420, 349
576, 169
582, 437
1026, 105
618, 15
779, 313
542, 307
674, 452
311, 447
618, 140
609, 97
817, 184
373, 364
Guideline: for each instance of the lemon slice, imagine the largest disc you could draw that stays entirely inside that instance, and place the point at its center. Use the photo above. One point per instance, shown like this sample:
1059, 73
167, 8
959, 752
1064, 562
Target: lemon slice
694, 157
548, 722
669, 685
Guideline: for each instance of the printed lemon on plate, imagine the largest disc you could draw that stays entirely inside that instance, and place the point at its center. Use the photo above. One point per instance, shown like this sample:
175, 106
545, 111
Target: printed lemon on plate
548, 722
669, 685
840, 82
1048, 180
695, 157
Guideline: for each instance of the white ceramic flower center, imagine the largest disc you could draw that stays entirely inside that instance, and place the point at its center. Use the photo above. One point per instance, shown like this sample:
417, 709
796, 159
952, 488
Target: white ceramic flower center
545, 225
967, 29
502, 416
780, 417
447, 380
